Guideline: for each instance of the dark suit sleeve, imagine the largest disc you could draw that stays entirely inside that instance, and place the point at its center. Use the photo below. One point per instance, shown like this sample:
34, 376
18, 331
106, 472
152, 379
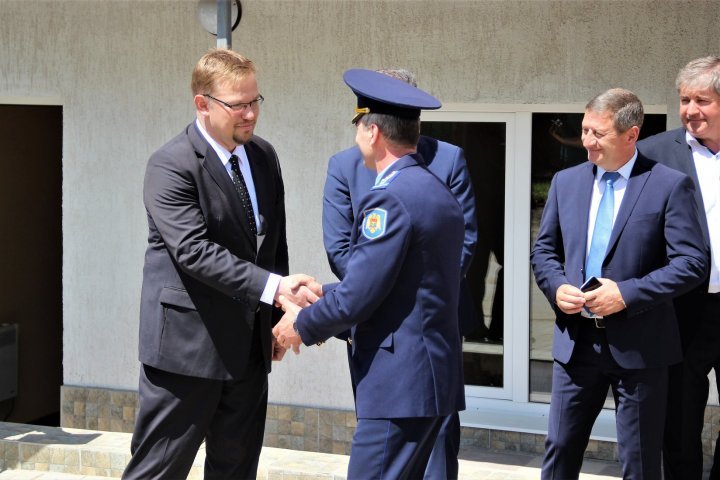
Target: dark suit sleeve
687, 263
337, 218
368, 280
172, 200
548, 255
461, 186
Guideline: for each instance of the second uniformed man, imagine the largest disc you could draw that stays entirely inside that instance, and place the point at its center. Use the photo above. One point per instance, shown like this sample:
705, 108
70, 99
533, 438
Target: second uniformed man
399, 296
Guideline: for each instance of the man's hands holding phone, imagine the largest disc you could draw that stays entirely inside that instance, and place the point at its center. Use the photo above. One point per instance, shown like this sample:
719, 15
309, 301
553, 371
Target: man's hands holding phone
601, 296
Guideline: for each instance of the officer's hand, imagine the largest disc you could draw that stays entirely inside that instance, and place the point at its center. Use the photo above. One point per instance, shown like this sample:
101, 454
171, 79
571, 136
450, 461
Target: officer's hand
284, 331
606, 299
569, 299
300, 289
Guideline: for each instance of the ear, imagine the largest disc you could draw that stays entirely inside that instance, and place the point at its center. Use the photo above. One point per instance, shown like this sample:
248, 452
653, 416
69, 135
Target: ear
633, 133
374, 133
201, 104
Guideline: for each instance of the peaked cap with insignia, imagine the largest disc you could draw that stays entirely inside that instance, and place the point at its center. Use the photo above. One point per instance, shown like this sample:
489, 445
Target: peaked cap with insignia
380, 93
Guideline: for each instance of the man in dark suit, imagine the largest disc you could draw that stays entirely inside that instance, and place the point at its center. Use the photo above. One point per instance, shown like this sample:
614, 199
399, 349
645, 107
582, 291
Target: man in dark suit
629, 222
214, 266
399, 295
695, 151
347, 182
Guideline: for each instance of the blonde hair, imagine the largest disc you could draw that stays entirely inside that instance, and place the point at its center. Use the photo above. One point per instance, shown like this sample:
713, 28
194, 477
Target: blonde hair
219, 65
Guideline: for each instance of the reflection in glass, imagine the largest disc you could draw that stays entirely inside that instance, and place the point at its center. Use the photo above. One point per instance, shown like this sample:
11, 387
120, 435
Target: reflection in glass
484, 145
556, 145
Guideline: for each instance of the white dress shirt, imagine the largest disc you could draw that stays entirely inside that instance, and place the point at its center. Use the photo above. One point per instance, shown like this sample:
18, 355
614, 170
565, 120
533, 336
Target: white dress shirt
707, 165
599, 188
273, 281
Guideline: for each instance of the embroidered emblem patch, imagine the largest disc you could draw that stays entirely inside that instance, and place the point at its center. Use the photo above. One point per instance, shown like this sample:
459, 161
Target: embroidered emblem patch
374, 223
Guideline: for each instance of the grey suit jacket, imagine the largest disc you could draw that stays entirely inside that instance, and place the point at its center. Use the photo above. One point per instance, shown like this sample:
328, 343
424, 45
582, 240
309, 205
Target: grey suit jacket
204, 272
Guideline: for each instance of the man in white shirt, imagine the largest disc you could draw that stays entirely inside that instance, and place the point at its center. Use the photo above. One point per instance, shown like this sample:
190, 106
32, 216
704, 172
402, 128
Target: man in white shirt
695, 151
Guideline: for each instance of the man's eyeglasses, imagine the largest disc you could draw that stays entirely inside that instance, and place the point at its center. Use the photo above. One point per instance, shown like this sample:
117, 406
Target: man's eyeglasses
239, 107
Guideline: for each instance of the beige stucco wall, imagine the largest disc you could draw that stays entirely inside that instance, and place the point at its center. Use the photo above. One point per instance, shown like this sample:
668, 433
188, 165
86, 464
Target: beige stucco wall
121, 69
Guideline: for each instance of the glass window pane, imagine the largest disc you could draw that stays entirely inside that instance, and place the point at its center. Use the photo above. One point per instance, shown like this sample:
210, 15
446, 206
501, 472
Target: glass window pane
484, 145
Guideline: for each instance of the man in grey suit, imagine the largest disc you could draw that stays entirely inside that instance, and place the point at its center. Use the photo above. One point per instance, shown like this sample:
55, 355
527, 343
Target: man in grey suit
694, 150
216, 262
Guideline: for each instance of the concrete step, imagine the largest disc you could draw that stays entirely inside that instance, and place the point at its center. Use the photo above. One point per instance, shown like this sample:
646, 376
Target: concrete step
30, 452
37, 475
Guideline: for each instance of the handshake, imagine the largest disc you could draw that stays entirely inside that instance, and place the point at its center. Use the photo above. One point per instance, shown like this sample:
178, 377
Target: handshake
294, 292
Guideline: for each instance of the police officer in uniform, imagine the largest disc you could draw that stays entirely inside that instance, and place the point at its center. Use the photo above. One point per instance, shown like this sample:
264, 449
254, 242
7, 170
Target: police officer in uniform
399, 297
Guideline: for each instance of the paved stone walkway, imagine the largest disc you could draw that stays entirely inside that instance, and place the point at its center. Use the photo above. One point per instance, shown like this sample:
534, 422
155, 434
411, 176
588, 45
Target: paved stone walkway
29, 452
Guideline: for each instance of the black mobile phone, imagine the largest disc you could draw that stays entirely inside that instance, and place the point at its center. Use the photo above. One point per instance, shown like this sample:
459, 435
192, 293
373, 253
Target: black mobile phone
591, 284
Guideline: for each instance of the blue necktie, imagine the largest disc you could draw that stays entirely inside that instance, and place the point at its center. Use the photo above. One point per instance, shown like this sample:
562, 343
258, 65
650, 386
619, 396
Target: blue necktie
603, 228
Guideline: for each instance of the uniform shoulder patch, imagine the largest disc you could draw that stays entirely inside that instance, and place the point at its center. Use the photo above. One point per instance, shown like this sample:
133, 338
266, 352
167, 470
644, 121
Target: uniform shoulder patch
374, 223
386, 180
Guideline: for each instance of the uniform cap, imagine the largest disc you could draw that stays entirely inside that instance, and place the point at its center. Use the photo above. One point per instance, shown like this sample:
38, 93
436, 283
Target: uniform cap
380, 93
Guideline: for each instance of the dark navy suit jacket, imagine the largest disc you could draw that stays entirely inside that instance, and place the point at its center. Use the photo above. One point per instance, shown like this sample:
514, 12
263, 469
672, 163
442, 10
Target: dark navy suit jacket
399, 298
349, 180
671, 149
656, 252
204, 272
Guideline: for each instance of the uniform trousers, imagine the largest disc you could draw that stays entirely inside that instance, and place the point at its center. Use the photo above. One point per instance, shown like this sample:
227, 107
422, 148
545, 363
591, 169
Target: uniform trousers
579, 391
443, 463
392, 448
178, 412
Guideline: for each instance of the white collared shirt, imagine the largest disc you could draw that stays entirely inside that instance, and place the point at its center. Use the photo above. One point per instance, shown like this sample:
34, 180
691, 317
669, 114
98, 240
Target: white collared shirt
707, 166
599, 188
271, 286
224, 157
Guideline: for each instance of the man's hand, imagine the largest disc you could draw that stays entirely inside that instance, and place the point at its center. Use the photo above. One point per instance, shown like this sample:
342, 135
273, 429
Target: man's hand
606, 299
569, 299
299, 289
284, 331
278, 352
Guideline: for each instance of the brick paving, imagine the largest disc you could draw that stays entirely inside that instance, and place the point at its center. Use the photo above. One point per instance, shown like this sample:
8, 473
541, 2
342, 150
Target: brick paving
29, 452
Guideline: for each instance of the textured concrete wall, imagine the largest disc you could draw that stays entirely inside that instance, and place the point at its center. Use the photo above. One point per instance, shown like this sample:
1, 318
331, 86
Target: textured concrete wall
121, 69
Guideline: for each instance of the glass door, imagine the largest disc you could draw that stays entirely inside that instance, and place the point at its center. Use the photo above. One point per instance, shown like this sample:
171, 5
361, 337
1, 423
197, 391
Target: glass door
486, 347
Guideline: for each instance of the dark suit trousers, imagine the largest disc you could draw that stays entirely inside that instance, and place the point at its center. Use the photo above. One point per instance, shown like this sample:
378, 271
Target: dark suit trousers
579, 390
689, 387
178, 412
392, 448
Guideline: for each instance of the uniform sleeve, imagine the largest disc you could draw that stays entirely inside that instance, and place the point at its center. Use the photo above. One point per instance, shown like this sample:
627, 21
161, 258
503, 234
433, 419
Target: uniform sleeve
371, 272
461, 187
337, 218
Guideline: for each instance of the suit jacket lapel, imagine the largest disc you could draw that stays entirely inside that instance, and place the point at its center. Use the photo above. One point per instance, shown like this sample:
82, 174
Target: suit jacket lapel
264, 191
638, 177
581, 195
213, 165
686, 164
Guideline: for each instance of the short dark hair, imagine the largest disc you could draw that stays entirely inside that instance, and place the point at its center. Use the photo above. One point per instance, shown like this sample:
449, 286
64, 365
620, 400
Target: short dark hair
402, 132
625, 107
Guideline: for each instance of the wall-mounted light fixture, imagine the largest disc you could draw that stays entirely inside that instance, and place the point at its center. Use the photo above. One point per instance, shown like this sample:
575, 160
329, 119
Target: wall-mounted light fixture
220, 18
